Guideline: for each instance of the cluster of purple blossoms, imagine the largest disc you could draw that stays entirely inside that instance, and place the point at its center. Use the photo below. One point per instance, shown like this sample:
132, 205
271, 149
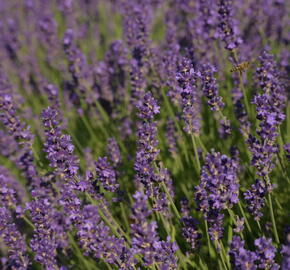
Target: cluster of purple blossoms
189, 226
287, 150
113, 151
239, 226
286, 250
15, 242
58, 147
203, 27
145, 240
210, 88
95, 237
136, 20
228, 29
78, 66
59, 152
262, 258
147, 143
147, 107
117, 65
106, 175
11, 190
241, 258
10, 201
44, 242
18, 131
190, 99
217, 191
256, 198
269, 105
266, 253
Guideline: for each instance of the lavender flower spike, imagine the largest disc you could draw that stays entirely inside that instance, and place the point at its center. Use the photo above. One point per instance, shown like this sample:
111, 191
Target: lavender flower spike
241, 258
218, 190
228, 29
106, 174
14, 241
266, 253
190, 101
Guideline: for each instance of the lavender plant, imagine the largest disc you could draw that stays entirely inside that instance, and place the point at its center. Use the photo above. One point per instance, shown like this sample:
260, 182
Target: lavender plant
144, 135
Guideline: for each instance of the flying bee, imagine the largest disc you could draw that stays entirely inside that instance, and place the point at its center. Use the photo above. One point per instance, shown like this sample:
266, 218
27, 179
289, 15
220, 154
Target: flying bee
241, 67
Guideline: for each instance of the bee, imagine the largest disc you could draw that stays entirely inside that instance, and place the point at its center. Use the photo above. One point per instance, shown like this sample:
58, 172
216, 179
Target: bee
241, 67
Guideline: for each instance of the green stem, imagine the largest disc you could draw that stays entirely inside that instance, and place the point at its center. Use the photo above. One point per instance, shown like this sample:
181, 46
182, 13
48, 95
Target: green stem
273, 218
28, 222
171, 201
195, 152
245, 217
211, 252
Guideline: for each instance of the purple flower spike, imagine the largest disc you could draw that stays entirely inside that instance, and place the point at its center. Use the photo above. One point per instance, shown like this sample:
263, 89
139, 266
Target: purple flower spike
287, 150
286, 251
210, 88
228, 29
106, 174
190, 100
241, 258
270, 106
266, 253
218, 189
145, 240
14, 241
58, 147
147, 107
189, 228
96, 239
113, 151
256, 198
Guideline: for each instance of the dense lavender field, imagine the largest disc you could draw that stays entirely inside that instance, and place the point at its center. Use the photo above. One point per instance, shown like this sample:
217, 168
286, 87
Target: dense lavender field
144, 134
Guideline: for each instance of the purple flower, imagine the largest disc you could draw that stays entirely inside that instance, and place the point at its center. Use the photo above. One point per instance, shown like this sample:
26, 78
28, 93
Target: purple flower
116, 68
44, 242
218, 189
239, 226
270, 106
286, 251
241, 258
106, 175
10, 189
190, 100
78, 67
147, 107
228, 29
189, 226
95, 237
266, 253
14, 241
210, 88
145, 240
19, 131
144, 233
147, 143
113, 151
256, 198
58, 147
287, 150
